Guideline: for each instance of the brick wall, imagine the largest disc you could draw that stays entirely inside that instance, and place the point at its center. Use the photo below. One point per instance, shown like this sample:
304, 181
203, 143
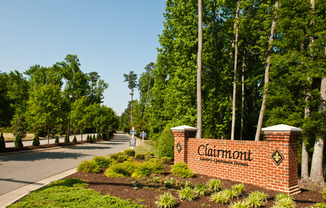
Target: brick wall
242, 161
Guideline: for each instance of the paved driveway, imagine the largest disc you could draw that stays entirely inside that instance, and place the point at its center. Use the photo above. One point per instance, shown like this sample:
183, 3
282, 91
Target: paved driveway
18, 170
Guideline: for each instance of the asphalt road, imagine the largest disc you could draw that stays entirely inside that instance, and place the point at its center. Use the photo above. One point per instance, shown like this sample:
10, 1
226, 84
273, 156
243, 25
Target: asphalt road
18, 170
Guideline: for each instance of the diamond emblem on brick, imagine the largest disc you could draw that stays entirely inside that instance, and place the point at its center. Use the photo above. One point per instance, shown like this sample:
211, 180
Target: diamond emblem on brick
179, 147
277, 157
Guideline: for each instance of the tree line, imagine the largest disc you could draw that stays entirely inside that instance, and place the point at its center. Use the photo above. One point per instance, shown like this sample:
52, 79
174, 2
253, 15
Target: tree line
263, 63
55, 100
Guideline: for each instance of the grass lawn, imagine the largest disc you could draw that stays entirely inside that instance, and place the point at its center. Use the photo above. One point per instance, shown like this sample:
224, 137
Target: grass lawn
147, 146
72, 193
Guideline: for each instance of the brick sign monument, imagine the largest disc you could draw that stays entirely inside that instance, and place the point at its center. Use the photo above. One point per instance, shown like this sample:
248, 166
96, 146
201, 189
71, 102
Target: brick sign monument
271, 164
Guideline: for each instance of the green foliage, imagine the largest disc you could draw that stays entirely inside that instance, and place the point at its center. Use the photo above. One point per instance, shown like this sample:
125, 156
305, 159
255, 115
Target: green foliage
148, 155
201, 189
284, 200
165, 160
320, 205
145, 169
67, 138
166, 200
166, 143
18, 142
119, 157
187, 193
324, 194
71, 193
20, 127
2, 142
103, 162
181, 169
239, 204
129, 152
88, 138
56, 141
36, 140
88, 166
238, 188
256, 199
214, 184
124, 169
140, 156
222, 196
75, 139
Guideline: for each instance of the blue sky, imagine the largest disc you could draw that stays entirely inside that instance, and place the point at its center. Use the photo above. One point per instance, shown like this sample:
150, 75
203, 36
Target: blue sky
111, 37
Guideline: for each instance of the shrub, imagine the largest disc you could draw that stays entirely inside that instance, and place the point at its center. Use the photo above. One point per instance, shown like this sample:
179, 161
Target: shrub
75, 139
256, 199
94, 137
36, 140
119, 157
166, 200
148, 155
284, 200
214, 184
188, 184
238, 188
98, 136
168, 182
129, 152
103, 162
2, 142
165, 145
320, 205
19, 142
140, 156
165, 160
88, 138
181, 169
240, 204
145, 169
56, 141
324, 194
187, 193
223, 196
67, 139
88, 166
201, 189
124, 169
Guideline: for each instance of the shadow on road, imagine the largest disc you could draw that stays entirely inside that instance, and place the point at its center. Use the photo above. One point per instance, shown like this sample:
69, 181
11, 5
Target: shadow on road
18, 181
42, 156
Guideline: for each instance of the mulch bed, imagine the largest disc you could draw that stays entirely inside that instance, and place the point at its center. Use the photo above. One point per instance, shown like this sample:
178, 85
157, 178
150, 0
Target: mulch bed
147, 195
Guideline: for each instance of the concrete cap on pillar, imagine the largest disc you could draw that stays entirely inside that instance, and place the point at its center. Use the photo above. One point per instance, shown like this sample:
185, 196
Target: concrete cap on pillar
184, 128
282, 128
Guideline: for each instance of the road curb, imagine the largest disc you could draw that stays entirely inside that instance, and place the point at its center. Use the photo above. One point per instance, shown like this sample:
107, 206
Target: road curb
17, 194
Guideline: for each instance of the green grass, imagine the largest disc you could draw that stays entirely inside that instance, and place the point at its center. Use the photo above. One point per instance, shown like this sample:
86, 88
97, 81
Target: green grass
147, 146
71, 193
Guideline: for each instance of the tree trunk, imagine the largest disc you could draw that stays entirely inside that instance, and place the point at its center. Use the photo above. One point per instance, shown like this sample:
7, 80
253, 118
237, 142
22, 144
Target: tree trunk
268, 62
234, 98
305, 155
149, 84
199, 63
316, 173
132, 93
242, 96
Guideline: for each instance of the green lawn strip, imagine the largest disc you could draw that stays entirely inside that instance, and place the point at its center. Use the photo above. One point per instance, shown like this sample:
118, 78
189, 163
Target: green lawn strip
71, 193
147, 146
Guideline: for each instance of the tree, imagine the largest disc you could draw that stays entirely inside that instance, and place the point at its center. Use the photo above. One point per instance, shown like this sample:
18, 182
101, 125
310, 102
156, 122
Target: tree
44, 107
236, 27
78, 115
131, 78
199, 69
149, 67
268, 64
20, 127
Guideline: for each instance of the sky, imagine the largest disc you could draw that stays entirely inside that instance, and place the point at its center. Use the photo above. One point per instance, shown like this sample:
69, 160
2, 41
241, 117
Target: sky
111, 37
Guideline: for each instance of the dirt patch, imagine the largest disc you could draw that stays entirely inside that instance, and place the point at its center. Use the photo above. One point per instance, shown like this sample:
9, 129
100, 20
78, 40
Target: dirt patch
147, 195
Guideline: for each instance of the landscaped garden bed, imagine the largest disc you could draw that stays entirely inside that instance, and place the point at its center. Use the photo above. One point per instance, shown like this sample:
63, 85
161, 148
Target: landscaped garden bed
152, 179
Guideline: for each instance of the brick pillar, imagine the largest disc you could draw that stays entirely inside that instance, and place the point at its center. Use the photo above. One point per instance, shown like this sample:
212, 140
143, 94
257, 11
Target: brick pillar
282, 158
181, 135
